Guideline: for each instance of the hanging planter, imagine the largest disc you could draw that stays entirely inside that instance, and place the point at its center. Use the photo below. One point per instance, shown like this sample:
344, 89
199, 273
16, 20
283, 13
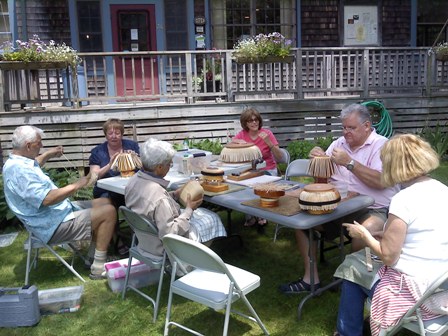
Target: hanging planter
34, 65
263, 48
442, 54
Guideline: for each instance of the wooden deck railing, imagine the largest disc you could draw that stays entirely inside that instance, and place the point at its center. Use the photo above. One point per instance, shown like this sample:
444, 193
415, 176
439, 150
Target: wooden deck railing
190, 76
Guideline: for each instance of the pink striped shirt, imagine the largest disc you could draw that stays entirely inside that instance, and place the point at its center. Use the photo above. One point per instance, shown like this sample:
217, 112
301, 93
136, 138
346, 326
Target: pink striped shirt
395, 294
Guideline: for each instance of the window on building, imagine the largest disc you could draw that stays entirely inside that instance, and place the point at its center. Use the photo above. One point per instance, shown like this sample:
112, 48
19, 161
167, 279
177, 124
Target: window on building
430, 21
176, 25
89, 26
5, 28
233, 20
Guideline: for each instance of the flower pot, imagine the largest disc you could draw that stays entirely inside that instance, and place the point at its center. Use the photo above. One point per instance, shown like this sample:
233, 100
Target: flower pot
35, 65
267, 59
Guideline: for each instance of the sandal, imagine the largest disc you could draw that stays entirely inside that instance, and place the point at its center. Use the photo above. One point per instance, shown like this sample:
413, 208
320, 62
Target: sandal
98, 276
123, 250
297, 287
251, 221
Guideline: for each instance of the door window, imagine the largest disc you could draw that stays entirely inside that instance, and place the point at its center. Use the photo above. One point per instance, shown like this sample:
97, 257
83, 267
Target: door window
132, 30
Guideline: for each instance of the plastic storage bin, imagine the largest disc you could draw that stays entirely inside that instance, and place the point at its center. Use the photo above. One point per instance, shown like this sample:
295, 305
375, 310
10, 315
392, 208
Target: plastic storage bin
197, 160
60, 300
141, 275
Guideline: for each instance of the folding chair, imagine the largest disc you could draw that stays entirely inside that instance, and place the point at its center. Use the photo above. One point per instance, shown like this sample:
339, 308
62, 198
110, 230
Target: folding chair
212, 283
297, 168
35, 243
286, 157
142, 230
413, 321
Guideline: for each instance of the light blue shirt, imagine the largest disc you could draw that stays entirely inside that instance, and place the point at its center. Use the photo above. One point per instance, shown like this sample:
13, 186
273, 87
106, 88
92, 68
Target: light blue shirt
25, 187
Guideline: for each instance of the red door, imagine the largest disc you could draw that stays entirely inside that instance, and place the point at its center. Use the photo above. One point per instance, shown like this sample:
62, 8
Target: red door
134, 29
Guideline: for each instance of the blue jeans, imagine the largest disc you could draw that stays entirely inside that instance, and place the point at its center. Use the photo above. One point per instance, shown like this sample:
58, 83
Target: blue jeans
351, 308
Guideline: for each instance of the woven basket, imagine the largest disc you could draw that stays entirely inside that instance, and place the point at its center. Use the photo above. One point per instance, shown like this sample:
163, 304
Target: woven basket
319, 198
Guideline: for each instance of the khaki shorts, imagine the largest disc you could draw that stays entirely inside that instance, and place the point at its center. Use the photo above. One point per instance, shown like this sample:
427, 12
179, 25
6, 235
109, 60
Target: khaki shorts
78, 228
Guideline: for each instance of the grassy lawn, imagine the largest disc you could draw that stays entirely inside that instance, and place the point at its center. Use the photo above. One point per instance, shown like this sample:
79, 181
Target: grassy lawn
105, 313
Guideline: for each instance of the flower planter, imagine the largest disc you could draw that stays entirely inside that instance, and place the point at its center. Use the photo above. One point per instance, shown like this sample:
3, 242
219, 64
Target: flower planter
267, 59
442, 55
36, 65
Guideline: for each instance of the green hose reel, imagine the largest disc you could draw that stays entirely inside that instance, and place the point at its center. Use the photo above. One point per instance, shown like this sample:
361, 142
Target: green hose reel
384, 124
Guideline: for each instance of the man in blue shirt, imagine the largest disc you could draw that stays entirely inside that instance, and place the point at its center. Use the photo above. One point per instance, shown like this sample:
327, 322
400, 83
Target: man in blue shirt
44, 208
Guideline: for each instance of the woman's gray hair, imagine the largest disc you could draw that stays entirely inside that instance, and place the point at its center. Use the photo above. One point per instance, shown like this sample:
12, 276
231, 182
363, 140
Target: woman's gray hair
24, 134
361, 110
156, 152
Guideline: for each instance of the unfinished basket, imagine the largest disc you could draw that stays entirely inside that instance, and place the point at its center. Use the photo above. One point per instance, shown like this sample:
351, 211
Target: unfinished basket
213, 179
269, 193
321, 168
126, 164
240, 152
319, 198
193, 188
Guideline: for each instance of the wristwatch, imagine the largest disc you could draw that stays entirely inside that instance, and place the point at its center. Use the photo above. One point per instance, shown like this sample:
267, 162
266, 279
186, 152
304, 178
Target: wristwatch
350, 165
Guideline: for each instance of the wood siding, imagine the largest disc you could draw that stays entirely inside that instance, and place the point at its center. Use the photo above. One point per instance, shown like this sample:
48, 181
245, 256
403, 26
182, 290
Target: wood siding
289, 120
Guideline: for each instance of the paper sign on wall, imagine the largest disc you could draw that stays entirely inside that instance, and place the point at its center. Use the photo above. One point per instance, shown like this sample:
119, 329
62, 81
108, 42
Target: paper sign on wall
134, 34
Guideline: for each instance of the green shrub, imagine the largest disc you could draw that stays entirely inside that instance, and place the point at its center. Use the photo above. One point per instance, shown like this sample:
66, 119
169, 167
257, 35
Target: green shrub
437, 138
213, 146
300, 149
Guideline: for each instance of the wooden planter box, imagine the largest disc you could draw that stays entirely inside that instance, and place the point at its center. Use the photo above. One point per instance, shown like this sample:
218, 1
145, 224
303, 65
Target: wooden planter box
16, 65
268, 59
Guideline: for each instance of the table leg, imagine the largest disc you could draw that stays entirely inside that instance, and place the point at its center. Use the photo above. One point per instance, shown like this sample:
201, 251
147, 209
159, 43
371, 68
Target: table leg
314, 292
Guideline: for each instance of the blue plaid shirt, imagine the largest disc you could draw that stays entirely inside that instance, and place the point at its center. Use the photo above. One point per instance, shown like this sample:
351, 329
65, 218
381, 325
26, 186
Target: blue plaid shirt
25, 187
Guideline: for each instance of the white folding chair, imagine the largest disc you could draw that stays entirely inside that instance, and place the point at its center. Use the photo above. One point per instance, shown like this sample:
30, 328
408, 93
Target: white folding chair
33, 242
143, 229
413, 321
297, 168
212, 282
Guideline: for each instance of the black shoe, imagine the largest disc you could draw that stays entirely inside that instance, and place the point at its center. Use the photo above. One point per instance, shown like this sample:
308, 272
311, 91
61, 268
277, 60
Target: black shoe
297, 287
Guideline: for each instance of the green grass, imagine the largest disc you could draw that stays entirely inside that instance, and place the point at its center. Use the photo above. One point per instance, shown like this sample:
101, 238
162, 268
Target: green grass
105, 313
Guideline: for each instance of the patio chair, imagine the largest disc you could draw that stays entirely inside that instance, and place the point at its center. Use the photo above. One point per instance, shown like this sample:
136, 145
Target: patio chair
34, 243
212, 282
297, 168
412, 320
142, 230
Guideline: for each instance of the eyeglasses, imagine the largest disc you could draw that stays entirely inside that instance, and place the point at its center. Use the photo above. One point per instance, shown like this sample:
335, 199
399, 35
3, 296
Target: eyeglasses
253, 120
351, 129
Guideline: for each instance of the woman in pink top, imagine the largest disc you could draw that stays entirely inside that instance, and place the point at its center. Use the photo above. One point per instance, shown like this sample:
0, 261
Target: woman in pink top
264, 139
252, 132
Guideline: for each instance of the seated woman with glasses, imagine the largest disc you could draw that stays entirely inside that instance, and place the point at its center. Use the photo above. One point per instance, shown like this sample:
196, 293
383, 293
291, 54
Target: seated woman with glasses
102, 158
264, 139
146, 194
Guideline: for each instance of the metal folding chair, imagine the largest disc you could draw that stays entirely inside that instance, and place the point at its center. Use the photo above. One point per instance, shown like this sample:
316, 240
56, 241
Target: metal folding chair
142, 230
35, 243
413, 321
212, 282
